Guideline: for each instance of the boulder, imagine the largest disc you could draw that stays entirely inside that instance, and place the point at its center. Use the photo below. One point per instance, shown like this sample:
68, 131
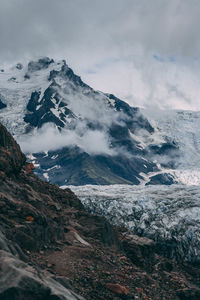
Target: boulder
140, 250
19, 280
117, 288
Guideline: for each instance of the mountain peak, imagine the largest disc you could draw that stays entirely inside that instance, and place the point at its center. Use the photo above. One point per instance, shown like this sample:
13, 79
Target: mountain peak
49, 108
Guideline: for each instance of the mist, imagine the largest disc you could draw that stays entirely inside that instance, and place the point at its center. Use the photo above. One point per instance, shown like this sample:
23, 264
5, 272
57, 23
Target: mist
49, 138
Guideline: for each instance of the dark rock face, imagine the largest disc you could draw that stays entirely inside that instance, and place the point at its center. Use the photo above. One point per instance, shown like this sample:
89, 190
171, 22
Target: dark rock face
51, 248
2, 105
79, 168
140, 250
165, 148
11, 158
71, 166
169, 151
33, 102
33, 66
42, 63
164, 178
41, 112
137, 120
19, 66
189, 294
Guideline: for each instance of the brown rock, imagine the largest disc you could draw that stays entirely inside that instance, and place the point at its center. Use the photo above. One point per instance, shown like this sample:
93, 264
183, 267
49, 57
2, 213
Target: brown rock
123, 258
11, 158
140, 250
29, 168
117, 288
189, 294
29, 218
99, 228
49, 265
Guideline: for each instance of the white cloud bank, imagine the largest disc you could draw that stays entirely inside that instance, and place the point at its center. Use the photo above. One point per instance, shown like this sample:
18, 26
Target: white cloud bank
161, 82
49, 138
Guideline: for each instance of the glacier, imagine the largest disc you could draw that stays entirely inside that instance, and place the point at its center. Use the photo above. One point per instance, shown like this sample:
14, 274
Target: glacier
170, 215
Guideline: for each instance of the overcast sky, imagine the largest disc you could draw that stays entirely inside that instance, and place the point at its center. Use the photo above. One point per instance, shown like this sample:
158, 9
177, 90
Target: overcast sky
144, 51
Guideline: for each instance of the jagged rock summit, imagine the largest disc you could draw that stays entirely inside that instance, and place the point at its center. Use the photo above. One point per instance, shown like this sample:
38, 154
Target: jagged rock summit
76, 135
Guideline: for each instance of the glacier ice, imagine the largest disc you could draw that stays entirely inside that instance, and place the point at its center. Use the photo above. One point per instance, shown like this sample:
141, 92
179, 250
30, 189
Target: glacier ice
170, 215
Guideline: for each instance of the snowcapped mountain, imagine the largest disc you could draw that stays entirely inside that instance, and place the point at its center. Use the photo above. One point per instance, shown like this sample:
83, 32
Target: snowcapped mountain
76, 135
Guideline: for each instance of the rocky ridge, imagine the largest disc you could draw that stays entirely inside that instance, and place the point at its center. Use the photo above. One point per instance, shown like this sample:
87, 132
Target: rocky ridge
51, 248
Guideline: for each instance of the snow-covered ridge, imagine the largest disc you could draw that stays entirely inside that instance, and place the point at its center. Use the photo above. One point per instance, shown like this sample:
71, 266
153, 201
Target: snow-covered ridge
18, 83
16, 89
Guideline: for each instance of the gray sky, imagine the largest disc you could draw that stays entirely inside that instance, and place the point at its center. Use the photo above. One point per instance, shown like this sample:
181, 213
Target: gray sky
146, 51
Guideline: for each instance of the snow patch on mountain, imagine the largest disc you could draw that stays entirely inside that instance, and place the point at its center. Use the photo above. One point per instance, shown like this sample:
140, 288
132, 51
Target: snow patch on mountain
16, 89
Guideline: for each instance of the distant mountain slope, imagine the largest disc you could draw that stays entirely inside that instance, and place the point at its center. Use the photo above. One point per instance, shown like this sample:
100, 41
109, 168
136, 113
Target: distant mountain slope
76, 135
183, 128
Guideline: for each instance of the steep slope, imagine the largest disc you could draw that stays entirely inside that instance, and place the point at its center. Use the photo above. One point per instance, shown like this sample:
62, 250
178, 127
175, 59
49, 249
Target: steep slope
50, 247
78, 135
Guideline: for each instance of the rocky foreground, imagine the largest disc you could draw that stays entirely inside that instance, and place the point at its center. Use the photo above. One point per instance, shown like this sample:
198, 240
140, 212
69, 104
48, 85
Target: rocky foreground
51, 248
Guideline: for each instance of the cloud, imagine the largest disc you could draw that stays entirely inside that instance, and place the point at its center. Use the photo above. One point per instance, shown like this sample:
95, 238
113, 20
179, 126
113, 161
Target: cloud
144, 51
89, 130
151, 83
91, 107
166, 27
49, 138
